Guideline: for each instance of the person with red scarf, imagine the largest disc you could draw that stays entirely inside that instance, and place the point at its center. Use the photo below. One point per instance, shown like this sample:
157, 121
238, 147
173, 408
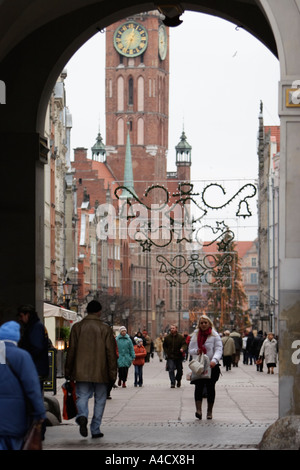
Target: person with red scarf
205, 340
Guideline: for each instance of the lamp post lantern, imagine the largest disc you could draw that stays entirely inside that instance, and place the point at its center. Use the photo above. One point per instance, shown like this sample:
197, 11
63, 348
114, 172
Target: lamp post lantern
125, 316
68, 287
112, 309
89, 297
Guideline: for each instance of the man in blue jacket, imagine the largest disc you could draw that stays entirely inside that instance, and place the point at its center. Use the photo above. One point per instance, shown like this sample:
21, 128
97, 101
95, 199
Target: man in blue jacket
18, 382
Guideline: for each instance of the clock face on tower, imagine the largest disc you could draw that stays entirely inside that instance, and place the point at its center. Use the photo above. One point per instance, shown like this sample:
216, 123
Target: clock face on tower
162, 42
131, 39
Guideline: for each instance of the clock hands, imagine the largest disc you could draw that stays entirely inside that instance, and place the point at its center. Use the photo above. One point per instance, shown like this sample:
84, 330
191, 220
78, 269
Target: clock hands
131, 37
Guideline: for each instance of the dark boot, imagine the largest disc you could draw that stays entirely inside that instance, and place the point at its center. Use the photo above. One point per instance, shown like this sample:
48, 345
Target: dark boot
82, 422
198, 413
209, 410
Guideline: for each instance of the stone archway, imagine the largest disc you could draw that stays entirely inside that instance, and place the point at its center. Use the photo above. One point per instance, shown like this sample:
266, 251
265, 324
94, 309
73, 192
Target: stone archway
36, 43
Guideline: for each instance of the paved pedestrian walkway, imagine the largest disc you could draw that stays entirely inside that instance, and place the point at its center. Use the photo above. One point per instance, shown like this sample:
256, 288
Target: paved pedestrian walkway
156, 417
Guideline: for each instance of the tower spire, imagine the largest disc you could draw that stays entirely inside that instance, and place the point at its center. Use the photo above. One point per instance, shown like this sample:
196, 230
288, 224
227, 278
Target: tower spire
183, 151
128, 172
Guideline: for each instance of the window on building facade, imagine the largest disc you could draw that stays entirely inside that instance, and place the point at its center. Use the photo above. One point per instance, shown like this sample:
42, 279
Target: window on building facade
253, 278
171, 299
130, 91
253, 301
120, 132
140, 95
120, 88
140, 131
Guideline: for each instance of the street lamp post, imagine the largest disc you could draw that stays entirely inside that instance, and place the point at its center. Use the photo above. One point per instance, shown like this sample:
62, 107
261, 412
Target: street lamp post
67, 287
89, 297
112, 309
125, 316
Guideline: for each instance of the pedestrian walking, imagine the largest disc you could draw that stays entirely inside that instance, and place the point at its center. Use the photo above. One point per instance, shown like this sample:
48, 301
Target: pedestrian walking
187, 340
92, 362
159, 347
245, 354
206, 340
112, 385
255, 349
139, 334
238, 347
19, 384
139, 361
126, 355
268, 350
228, 350
250, 356
34, 339
174, 345
147, 345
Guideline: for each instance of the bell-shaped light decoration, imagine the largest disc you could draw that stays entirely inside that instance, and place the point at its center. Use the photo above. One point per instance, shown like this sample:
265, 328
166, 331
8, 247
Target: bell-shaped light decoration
243, 209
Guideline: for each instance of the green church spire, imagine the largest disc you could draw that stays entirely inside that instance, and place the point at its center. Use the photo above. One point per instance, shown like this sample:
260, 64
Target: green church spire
129, 192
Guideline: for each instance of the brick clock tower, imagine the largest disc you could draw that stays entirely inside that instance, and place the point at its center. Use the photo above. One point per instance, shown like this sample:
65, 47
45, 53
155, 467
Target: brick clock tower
137, 98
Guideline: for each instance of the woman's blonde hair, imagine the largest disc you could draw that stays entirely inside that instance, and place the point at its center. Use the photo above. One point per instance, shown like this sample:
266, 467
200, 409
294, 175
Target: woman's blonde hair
205, 317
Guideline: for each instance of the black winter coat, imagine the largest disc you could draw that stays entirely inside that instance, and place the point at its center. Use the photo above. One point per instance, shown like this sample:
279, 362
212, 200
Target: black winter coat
256, 344
35, 340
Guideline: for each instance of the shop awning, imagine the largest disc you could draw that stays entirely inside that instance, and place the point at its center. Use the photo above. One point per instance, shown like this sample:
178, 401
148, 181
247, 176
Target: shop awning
55, 311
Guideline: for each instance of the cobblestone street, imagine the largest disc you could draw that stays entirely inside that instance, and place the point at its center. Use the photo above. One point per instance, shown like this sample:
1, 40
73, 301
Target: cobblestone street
156, 417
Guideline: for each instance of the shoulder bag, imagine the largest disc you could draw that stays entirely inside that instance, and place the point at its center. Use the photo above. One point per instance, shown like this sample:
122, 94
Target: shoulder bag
33, 438
200, 367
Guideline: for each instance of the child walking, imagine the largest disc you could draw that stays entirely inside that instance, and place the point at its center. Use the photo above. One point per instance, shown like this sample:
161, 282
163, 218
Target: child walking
139, 361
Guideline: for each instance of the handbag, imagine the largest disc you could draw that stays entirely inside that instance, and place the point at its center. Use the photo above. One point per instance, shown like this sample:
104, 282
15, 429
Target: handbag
200, 367
33, 438
197, 365
69, 400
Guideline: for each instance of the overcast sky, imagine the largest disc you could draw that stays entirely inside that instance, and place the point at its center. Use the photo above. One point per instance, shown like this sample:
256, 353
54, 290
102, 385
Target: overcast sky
218, 75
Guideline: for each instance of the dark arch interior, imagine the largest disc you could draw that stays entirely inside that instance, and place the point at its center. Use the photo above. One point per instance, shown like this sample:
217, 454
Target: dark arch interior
31, 67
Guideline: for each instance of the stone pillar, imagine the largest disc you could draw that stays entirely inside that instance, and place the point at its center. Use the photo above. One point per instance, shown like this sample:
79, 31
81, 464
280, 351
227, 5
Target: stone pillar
284, 18
289, 254
22, 221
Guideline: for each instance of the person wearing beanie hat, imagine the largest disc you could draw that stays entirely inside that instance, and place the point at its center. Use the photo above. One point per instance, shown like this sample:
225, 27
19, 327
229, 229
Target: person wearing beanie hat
139, 361
19, 383
126, 355
10, 331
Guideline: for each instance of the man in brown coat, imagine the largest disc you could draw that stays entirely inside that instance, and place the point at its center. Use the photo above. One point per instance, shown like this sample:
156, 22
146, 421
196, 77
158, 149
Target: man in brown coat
91, 362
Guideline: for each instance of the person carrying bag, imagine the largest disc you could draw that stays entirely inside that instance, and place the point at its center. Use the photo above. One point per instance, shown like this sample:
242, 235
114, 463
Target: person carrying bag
206, 341
19, 385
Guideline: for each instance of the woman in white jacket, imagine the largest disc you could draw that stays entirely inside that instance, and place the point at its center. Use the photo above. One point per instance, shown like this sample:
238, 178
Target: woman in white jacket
268, 351
205, 340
